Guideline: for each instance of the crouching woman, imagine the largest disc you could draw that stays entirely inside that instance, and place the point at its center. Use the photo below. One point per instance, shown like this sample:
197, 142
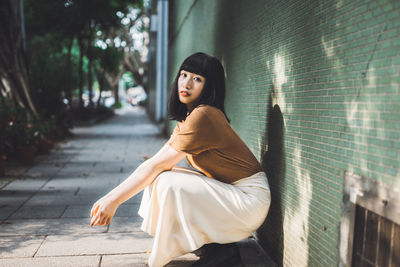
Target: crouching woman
224, 201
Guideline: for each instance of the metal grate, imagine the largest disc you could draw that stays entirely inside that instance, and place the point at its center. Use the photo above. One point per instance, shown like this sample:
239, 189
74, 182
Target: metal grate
370, 224
376, 240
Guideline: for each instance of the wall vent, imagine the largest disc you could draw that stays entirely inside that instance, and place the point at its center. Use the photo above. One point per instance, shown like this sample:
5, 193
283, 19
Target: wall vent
370, 226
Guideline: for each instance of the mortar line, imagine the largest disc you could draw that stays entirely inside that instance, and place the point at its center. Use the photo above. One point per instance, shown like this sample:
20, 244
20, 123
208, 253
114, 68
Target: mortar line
62, 213
44, 239
100, 261
77, 190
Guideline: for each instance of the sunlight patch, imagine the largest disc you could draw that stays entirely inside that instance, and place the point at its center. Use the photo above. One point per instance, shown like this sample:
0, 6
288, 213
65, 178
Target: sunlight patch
328, 46
296, 221
279, 79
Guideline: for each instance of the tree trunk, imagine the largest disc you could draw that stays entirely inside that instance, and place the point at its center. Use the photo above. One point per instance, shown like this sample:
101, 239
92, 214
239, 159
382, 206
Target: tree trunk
116, 94
69, 88
132, 63
14, 81
113, 80
101, 79
80, 79
90, 82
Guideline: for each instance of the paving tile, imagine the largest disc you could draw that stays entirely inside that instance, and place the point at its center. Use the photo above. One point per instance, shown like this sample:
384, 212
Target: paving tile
44, 169
80, 162
31, 184
137, 199
77, 211
61, 199
5, 181
59, 159
7, 210
39, 212
19, 246
74, 172
99, 189
83, 211
125, 225
139, 260
66, 190
14, 198
66, 182
107, 243
104, 177
63, 226
82, 261
127, 210
98, 185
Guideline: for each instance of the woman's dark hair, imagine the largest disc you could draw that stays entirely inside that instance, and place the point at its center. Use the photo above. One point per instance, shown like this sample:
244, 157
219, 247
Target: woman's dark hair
213, 92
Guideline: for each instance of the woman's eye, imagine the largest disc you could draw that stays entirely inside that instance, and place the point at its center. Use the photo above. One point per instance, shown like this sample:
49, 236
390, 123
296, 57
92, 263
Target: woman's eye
197, 79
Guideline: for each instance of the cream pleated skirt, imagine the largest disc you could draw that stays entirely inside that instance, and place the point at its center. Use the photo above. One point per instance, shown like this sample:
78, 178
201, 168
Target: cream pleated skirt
184, 210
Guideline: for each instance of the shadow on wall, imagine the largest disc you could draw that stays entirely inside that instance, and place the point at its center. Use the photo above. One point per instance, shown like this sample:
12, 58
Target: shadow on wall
270, 234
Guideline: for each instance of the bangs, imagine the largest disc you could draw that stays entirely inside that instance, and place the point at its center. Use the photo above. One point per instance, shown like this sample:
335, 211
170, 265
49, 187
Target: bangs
195, 64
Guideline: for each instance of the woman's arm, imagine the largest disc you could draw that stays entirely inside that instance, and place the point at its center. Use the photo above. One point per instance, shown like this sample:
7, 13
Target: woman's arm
165, 159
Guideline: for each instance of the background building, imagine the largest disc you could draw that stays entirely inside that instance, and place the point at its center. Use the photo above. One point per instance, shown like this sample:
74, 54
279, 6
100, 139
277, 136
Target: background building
158, 61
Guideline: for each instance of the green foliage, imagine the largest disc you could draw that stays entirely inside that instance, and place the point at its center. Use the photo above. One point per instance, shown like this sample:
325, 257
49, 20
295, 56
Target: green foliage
71, 17
52, 26
117, 105
17, 129
109, 58
128, 79
49, 75
6, 111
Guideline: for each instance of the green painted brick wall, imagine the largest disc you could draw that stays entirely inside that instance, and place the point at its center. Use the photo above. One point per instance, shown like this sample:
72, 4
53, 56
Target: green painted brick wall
313, 89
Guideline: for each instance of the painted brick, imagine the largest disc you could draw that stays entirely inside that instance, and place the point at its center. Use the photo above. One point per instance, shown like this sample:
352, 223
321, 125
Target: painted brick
332, 68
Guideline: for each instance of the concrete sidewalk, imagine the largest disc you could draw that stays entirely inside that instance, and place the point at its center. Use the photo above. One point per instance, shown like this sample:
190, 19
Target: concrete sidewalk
44, 213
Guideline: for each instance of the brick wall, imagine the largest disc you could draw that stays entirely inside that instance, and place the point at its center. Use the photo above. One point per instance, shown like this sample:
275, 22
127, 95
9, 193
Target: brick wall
313, 89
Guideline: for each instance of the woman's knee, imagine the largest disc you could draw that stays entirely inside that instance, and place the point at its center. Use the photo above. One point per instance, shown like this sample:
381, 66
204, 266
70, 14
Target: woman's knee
171, 180
165, 181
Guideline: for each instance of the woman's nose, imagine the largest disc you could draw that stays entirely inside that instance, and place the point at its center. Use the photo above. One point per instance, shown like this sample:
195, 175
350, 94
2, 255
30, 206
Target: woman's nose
187, 83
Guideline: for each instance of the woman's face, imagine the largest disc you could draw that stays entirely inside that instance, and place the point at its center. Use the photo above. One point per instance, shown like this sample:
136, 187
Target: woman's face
190, 86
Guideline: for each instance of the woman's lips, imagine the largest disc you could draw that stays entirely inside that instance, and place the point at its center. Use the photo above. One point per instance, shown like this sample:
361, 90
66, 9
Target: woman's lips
183, 93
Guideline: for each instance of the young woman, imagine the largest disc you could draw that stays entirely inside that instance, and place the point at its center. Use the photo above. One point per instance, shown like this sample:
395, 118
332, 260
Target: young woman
224, 202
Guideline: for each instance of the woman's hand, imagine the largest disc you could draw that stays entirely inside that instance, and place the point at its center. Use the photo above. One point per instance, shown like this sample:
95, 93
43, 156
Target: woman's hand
103, 211
104, 208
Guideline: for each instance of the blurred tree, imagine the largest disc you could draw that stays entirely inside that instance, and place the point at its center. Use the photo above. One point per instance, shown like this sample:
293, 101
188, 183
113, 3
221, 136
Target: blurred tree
134, 58
70, 27
132, 40
110, 67
90, 54
14, 81
59, 59
49, 75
